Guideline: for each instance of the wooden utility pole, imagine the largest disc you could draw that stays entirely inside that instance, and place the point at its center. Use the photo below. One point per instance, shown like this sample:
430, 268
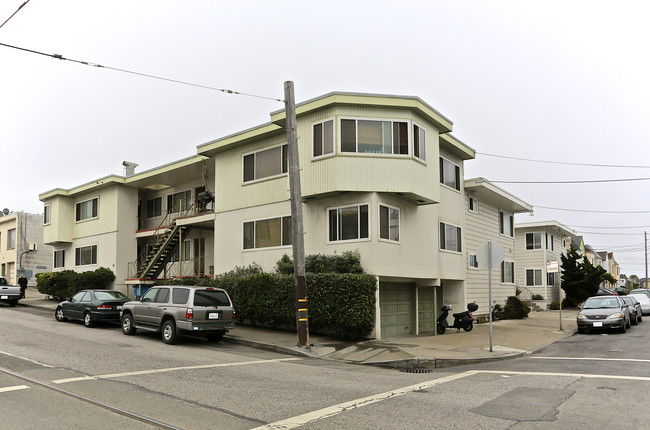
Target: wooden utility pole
645, 243
298, 240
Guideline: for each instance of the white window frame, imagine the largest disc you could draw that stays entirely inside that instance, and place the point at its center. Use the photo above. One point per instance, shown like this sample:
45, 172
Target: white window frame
421, 157
91, 263
472, 262
547, 236
409, 126
47, 214
313, 138
81, 203
442, 161
62, 251
473, 210
265, 178
459, 231
399, 223
350, 205
512, 265
146, 207
255, 221
541, 278
502, 226
533, 248
555, 276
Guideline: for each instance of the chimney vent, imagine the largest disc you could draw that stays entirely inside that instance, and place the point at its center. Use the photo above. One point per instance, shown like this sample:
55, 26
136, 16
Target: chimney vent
129, 168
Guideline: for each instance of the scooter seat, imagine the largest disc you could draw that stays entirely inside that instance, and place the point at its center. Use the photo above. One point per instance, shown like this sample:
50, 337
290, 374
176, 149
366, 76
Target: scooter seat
459, 315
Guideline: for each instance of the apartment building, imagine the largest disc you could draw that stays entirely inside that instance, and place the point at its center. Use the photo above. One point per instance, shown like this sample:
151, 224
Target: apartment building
22, 250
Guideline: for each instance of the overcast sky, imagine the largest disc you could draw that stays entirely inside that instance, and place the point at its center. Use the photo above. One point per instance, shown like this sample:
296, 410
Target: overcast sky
563, 81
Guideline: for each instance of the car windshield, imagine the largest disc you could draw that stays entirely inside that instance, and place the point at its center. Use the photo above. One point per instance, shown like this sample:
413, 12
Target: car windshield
210, 298
597, 303
109, 295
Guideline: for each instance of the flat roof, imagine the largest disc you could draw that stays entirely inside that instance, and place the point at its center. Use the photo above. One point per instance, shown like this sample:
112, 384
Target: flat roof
486, 190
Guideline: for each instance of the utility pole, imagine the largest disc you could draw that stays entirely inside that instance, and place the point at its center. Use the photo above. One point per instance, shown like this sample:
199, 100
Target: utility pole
298, 240
645, 243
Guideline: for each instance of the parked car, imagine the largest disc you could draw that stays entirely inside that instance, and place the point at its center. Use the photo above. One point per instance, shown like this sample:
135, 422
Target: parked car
606, 292
92, 306
603, 313
9, 293
177, 310
635, 309
644, 300
641, 291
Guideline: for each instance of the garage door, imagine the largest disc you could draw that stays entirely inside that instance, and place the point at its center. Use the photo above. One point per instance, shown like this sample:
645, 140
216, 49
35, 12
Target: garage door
396, 304
426, 312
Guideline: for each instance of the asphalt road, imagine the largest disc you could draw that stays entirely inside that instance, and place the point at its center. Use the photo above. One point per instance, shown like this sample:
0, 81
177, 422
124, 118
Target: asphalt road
64, 375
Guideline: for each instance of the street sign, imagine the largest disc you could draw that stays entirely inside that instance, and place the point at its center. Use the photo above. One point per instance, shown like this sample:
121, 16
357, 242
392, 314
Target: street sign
552, 267
490, 260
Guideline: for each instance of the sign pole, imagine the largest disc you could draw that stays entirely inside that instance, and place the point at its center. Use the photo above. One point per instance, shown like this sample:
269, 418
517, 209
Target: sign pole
489, 257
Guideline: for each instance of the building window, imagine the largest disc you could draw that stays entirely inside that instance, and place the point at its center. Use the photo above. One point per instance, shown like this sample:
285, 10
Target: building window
154, 207
59, 258
267, 233
419, 143
179, 202
46, 214
374, 137
348, 223
533, 240
551, 279
323, 138
11, 238
533, 277
87, 209
449, 174
85, 255
508, 272
473, 262
563, 243
450, 237
549, 242
388, 223
473, 205
506, 224
266, 163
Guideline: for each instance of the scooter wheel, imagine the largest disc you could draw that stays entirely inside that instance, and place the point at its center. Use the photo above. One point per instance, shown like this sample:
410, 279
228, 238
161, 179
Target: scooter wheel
440, 329
468, 327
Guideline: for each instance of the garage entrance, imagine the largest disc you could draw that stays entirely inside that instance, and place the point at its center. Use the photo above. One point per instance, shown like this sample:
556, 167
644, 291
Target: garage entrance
396, 302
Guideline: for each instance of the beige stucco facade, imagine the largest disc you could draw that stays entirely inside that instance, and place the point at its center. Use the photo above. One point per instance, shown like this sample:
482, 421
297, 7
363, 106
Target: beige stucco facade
22, 249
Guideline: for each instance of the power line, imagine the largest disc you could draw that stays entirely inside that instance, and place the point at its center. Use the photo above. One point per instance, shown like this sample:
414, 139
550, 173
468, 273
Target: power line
563, 162
573, 182
12, 15
591, 211
608, 227
87, 63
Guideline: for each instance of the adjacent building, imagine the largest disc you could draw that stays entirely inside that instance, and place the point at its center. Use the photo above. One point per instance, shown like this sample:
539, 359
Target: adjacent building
22, 249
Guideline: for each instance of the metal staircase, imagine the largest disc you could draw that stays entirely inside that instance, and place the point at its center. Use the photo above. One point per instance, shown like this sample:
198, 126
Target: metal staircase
159, 251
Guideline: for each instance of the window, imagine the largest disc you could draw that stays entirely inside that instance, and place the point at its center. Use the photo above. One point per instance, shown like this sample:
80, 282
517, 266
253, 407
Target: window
551, 279
323, 138
180, 296
348, 223
162, 296
179, 202
563, 243
533, 240
449, 174
87, 209
506, 224
419, 143
11, 238
473, 262
450, 237
473, 205
154, 207
85, 255
374, 137
150, 295
46, 214
549, 242
268, 232
266, 163
508, 272
59, 258
533, 277
388, 223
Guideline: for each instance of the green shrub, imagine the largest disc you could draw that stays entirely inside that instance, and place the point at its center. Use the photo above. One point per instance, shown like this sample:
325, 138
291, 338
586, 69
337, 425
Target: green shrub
554, 306
66, 283
284, 266
515, 309
497, 312
537, 297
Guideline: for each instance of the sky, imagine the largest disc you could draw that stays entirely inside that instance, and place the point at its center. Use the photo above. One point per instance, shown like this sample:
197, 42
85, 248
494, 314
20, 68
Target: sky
559, 81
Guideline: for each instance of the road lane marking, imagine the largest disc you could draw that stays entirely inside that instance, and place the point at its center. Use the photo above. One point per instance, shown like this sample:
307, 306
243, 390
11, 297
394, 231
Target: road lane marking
14, 388
638, 360
25, 358
574, 375
328, 412
170, 369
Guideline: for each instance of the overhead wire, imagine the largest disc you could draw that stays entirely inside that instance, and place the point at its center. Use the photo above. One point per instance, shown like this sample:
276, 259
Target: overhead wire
12, 15
564, 162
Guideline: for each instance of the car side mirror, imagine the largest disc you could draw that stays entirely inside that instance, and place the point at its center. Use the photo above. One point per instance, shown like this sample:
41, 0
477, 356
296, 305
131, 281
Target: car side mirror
138, 298
579, 307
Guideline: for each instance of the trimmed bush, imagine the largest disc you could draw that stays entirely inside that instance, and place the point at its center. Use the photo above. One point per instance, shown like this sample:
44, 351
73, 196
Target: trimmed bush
554, 306
515, 309
66, 283
537, 297
497, 312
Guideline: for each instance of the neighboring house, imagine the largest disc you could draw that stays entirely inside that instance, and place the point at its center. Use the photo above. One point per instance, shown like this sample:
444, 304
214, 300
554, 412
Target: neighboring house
22, 250
537, 244
489, 216
610, 265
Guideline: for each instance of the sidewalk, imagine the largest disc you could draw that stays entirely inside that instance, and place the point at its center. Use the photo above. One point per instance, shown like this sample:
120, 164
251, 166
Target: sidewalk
510, 338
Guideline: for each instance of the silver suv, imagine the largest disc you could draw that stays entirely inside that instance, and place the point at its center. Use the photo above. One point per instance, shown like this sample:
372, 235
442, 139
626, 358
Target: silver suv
176, 310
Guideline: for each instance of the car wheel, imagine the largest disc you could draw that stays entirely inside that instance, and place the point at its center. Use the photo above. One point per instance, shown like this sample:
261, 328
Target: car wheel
634, 321
216, 336
623, 328
58, 314
629, 324
127, 324
581, 331
640, 318
88, 319
13, 303
169, 332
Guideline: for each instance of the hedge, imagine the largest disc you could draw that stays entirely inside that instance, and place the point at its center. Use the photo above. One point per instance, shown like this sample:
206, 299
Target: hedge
66, 283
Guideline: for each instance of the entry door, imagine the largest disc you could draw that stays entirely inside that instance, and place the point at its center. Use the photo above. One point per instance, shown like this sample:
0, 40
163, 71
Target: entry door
426, 312
199, 256
396, 304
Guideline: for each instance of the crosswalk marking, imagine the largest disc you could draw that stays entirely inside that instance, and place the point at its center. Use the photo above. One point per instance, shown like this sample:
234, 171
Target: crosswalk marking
14, 388
637, 360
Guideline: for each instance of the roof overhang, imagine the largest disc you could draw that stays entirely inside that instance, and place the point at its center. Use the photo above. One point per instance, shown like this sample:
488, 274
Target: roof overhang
456, 147
487, 191
559, 227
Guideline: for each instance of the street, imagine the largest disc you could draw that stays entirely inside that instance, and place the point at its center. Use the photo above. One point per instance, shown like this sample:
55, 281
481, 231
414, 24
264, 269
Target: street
64, 375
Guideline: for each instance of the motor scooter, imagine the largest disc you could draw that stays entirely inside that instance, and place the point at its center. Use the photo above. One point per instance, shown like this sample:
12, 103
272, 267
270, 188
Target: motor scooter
462, 320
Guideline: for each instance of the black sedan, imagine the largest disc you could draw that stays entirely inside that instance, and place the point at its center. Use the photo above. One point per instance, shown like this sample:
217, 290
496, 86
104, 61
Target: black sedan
92, 306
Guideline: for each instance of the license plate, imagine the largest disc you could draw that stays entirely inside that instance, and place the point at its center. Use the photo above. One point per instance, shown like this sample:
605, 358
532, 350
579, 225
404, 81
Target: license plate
118, 307
598, 324
4, 297
214, 315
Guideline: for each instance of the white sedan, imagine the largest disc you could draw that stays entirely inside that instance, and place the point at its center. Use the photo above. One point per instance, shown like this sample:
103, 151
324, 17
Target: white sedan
645, 302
